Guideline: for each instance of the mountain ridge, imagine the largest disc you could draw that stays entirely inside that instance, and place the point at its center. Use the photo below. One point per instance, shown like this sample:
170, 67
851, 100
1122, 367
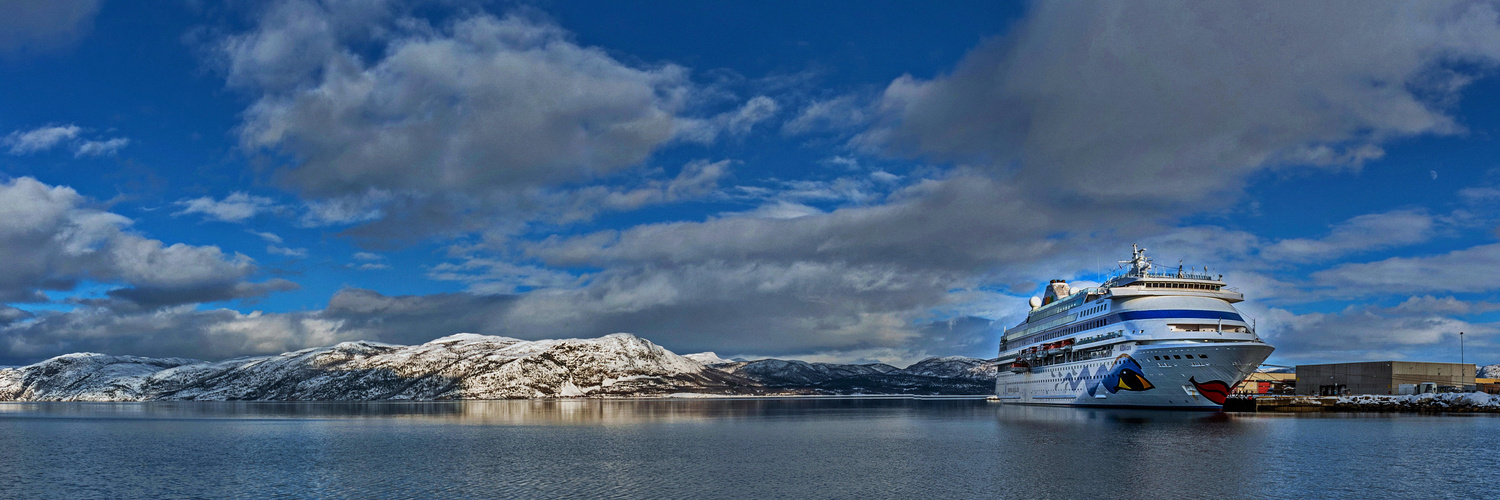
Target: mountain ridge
473, 366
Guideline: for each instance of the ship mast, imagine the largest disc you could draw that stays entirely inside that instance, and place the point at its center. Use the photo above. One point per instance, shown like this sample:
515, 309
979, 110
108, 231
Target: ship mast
1139, 263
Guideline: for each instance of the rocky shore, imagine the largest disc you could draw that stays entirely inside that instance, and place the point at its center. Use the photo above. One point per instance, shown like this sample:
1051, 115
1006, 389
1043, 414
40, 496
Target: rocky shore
1425, 403
1470, 402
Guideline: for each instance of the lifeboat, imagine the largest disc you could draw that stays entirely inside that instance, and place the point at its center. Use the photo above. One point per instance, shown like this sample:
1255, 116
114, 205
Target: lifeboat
1020, 367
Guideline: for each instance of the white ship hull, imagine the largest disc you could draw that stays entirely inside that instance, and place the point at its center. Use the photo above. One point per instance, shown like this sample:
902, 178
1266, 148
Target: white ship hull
1176, 383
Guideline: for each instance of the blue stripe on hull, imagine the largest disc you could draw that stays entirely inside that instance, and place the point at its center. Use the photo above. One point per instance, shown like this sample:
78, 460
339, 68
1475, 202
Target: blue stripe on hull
1179, 313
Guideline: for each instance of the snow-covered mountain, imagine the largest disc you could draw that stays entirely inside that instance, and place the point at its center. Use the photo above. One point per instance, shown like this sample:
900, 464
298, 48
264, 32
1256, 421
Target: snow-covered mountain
470, 366
1488, 371
464, 366
707, 358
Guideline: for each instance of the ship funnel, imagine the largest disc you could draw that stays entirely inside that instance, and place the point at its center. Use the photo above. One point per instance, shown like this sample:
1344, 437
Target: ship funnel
1057, 289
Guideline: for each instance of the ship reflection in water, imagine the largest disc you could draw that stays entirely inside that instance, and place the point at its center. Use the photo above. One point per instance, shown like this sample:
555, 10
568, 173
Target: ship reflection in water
723, 448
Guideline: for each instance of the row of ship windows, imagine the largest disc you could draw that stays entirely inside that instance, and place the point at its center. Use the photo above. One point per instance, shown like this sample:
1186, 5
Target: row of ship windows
1195, 286
1092, 310
1169, 358
1066, 331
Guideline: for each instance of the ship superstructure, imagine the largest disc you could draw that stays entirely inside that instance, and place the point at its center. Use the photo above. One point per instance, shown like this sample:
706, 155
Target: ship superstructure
1144, 338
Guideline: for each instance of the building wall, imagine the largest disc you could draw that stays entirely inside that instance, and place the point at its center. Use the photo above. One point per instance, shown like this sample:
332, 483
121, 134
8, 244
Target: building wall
1381, 377
1449, 374
1357, 378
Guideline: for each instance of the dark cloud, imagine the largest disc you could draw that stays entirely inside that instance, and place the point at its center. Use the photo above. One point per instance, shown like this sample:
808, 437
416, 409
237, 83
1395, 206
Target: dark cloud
149, 298
172, 332
1174, 104
10, 315
183, 331
413, 319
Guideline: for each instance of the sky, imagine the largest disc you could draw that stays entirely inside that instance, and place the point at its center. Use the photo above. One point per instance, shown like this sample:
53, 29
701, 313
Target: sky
827, 181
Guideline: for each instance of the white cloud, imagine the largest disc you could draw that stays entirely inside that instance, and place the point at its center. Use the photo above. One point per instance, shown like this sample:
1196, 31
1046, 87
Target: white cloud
885, 177
237, 207
1362, 233
841, 113
285, 251
1369, 333
1460, 271
100, 148
696, 179
45, 138
493, 276
50, 240
443, 110
736, 122
780, 209
268, 236
39, 139
343, 210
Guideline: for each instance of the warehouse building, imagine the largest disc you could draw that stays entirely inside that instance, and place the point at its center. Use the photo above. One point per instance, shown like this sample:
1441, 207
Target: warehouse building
1383, 377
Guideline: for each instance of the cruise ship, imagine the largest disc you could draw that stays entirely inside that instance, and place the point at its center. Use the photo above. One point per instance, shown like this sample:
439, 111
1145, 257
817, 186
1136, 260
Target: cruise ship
1144, 339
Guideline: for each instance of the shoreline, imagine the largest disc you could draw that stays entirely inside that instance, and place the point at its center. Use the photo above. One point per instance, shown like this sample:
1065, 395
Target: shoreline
1456, 402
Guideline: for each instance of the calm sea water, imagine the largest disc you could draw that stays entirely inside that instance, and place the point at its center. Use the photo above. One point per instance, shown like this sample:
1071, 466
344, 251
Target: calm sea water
797, 448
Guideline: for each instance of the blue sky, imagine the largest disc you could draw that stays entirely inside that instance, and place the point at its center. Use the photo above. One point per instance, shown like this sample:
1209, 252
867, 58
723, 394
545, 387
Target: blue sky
836, 182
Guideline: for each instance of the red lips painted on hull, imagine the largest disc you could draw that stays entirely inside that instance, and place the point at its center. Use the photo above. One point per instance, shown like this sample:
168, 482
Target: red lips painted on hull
1215, 390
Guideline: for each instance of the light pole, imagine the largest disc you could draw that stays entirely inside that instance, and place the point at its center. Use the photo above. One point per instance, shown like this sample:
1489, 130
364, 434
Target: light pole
1460, 349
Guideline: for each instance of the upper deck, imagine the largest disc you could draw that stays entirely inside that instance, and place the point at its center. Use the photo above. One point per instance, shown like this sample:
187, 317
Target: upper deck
1139, 280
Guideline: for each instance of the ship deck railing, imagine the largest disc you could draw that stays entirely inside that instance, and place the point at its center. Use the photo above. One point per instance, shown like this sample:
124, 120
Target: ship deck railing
1099, 338
1164, 274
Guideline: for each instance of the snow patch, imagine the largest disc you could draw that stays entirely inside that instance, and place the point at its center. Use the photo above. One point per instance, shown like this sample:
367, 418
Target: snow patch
707, 358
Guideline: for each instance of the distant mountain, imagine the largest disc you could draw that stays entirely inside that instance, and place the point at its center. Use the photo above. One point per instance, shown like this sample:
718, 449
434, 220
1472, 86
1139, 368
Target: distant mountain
950, 375
958, 367
899, 383
469, 366
790, 373
1488, 371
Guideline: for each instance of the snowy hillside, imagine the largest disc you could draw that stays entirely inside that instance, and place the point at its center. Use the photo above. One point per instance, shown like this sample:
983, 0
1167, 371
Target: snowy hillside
954, 367
1488, 371
470, 366
464, 366
707, 358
